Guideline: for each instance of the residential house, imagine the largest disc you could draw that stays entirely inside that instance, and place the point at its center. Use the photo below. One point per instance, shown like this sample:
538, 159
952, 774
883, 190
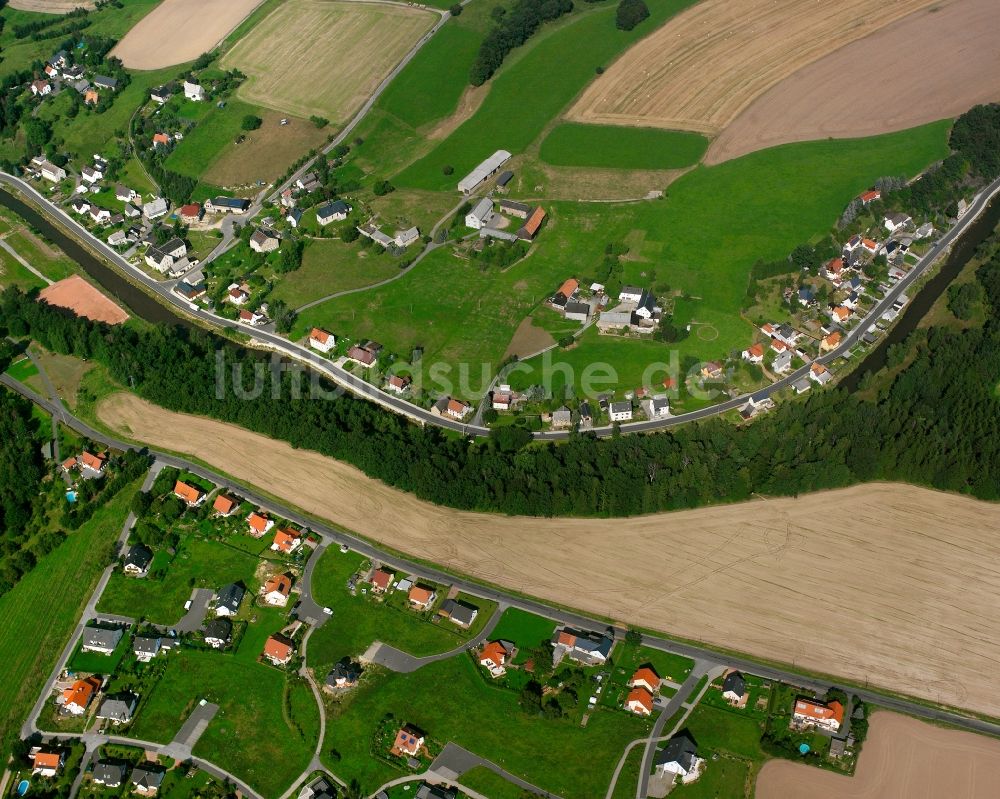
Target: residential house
457, 409
851, 301
81, 86
279, 650
657, 407
483, 171
621, 411
630, 294
831, 342
782, 362
51, 172
646, 677
840, 314
734, 688
480, 215
428, 791
288, 199
228, 599
494, 656
801, 386
146, 781
91, 174
294, 217
820, 374
80, 206
421, 597
590, 649
868, 197
100, 640
155, 208
459, 613
100, 215
512, 208
91, 97
754, 353
502, 400
218, 633
408, 742
193, 91
77, 697
807, 297
404, 238
336, 211
161, 140
321, 340
679, 758
160, 94
567, 291
40, 88
276, 590
640, 702
562, 418
118, 709
168, 257
852, 244
227, 205
344, 675
108, 774
225, 505
252, 318
190, 291
131, 212
46, 762
145, 648
824, 715
50, 71
286, 541
104, 82
646, 307
259, 524
237, 295
137, 559
263, 240
894, 221
117, 238
712, 370
362, 356
755, 405
188, 493
381, 580
92, 465
869, 246
532, 224
398, 384
190, 213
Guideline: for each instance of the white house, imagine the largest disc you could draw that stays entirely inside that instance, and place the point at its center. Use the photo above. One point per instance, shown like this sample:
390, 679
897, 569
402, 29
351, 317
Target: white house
480, 215
264, 240
827, 716
91, 174
118, 237
754, 353
895, 221
155, 208
99, 215
145, 648
193, 91
630, 294
404, 238
166, 257
80, 206
621, 411
52, 172
252, 318
276, 590
679, 758
782, 362
333, 212
321, 340
656, 408
494, 656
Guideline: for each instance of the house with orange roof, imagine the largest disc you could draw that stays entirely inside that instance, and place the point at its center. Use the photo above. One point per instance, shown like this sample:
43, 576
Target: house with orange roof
640, 702
91, 97
224, 505
831, 342
276, 590
322, 340
494, 656
69, 464
834, 270
381, 580
160, 140
187, 492
421, 597
260, 525
824, 715
840, 313
398, 383
408, 742
46, 762
869, 246
754, 353
820, 374
645, 677
78, 696
279, 650
870, 196
532, 224
362, 356
92, 464
286, 541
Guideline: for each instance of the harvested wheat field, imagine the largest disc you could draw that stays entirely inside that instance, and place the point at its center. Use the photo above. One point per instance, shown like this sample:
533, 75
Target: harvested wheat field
902, 579
707, 64
83, 299
902, 758
177, 31
938, 62
51, 6
323, 57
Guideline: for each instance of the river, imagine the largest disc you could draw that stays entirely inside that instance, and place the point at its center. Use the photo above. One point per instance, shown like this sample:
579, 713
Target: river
138, 302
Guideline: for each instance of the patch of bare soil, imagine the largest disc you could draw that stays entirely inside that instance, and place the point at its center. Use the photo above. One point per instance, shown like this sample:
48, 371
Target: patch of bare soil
468, 104
580, 184
902, 758
935, 63
83, 299
528, 339
898, 584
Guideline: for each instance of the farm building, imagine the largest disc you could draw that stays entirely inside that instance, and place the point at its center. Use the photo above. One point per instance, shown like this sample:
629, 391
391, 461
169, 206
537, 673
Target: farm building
514, 208
264, 240
530, 228
193, 91
486, 169
480, 215
227, 205
503, 179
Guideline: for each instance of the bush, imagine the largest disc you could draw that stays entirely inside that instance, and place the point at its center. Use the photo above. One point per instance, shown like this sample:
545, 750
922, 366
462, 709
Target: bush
456, 10
599, 70
963, 298
319, 122
448, 169
349, 233
383, 187
630, 13
251, 122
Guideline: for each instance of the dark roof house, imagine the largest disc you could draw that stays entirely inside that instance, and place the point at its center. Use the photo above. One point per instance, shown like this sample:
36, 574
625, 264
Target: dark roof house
681, 749
229, 598
734, 683
138, 558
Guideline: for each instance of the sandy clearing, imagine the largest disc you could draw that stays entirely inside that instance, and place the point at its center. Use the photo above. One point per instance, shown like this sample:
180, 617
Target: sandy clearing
938, 63
324, 57
705, 65
901, 581
902, 758
83, 299
177, 31
51, 6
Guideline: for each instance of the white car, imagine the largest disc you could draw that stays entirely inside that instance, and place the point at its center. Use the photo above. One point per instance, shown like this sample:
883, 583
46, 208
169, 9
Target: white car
187, 605
344, 548
328, 611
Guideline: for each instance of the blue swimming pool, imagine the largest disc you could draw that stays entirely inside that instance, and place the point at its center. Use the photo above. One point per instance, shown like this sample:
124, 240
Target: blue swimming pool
71, 496
22, 787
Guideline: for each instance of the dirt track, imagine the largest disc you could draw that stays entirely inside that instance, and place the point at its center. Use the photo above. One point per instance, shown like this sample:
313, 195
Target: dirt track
902, 759
84, 300
891, 584
703, 67
937, 63
177, 31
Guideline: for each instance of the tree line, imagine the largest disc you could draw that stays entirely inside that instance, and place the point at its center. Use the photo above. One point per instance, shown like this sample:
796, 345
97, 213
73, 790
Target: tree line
513, 29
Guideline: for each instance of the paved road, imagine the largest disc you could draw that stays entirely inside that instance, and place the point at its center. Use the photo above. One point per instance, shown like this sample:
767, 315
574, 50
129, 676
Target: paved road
187, 736
454, 761
336, 536
309, 610
193, 618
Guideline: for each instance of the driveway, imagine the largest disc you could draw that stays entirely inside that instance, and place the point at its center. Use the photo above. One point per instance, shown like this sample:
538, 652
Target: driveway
454, 761
192, 620
188, 735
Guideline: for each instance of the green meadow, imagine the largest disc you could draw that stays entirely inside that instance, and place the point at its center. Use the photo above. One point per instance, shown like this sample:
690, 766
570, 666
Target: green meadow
610, 147
215, 131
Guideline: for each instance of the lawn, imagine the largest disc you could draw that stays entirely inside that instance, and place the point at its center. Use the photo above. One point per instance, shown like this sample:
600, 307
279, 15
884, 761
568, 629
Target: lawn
725, 778
628, 779
199, 563
56, 590
13, 273
717, 729
359, 620
451, 702
22, 369
491, 784
195, 155
97, 662
573, 144
253, 734
528, 93
525, 629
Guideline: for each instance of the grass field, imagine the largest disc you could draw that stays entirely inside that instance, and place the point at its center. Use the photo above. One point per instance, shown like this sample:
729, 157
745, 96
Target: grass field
74, 567
628, 779
528, 92
358, 621
451, 702
213, 134
23, 369
252, 735
324, 58
198, 564
489, 784
572, 144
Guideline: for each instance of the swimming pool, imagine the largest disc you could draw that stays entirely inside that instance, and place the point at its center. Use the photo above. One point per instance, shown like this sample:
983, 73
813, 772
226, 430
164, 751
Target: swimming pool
22, 787
71, 496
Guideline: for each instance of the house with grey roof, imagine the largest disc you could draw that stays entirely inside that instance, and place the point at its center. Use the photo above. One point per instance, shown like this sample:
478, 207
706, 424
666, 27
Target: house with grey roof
333, 212
480, 214
344, 675
228, 599
98, 639
428, 791
145, 648
104, 82
155, 208
118, 709
147, 780
108, 774
137, 559
679, 758
782, 362
620, 411
218, 633
590, 649
562, 418
459, 613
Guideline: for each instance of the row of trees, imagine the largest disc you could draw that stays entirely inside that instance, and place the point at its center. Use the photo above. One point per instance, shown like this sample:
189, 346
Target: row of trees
513, 29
